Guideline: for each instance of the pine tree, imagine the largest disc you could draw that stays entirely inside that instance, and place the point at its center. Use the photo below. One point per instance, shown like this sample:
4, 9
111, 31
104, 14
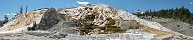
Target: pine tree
21, 10
6, 19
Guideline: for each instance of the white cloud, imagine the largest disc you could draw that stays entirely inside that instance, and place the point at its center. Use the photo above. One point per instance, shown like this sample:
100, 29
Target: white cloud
13, 13
84, 3
9, 14
191, 2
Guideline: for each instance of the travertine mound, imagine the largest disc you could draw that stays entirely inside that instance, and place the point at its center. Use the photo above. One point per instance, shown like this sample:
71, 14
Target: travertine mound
96, 21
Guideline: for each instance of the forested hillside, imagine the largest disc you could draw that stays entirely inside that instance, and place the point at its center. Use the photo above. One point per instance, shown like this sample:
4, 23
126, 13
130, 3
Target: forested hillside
182, 14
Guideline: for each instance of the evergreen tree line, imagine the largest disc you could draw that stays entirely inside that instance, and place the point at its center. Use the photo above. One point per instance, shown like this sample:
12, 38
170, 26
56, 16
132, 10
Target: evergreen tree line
182, 14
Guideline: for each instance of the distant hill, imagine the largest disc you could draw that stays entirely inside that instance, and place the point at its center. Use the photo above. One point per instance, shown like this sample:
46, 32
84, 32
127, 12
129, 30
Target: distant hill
182, 14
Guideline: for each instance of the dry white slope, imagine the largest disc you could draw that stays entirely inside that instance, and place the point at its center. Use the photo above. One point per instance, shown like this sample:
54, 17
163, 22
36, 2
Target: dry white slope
22, 22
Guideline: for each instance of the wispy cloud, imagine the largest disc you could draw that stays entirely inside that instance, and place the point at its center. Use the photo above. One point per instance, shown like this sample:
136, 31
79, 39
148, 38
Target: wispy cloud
10, 14
191, 2
84, 3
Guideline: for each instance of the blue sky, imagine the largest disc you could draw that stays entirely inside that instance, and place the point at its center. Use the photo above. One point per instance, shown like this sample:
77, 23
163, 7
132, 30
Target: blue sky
12, 6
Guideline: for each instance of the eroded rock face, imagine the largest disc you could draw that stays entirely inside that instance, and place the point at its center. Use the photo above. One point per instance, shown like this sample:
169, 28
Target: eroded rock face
98, 14
82, 19
49, 19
